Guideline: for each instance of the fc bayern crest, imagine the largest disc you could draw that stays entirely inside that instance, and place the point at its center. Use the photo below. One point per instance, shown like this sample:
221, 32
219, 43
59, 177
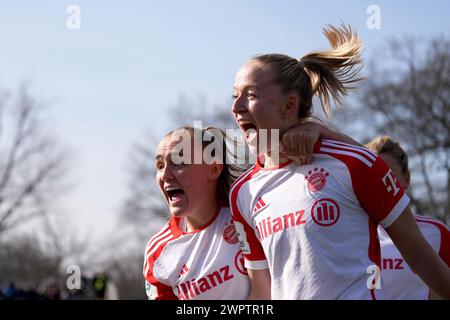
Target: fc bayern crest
316, 179
230, 234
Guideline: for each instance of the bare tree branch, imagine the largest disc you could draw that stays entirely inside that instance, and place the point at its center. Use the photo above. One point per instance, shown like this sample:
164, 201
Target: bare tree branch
30, 160
407, 96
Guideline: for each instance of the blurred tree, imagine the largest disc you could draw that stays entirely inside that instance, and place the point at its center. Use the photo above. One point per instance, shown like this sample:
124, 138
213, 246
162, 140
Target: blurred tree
28, 263
407, 96
32, 163
32, 259
33, 172
128, 277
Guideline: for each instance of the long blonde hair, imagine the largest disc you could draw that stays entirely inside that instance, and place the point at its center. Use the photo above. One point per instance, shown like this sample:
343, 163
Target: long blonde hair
327, 74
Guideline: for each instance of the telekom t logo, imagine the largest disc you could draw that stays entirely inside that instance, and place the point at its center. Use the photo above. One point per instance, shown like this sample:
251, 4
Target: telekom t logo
389, 181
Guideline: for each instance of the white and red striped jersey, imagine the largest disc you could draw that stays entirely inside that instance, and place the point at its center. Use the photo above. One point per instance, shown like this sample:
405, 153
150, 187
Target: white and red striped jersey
315, 226
399, 282
205, 264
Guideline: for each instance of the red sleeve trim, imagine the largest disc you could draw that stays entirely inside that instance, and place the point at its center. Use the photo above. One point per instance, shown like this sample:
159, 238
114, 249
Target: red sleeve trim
396, 211
250, 245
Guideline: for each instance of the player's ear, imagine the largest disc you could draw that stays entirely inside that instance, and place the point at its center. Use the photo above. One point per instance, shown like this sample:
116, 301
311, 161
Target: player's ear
406, 181
290, 108
215, 170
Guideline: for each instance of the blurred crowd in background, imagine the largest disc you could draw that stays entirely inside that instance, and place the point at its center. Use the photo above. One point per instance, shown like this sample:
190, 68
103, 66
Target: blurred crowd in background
99, 287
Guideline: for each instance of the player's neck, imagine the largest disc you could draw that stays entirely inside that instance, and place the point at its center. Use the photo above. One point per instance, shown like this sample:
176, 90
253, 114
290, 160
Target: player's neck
274, 159
202, 215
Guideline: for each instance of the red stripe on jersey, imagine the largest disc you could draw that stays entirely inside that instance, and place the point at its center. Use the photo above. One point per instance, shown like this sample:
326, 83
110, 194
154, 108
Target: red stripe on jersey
374, 244
375, 186
374, 250
364, 150
156, 237
257, 253
165, 292
243, 176
444, 248
157, 243
372, 294
341, 150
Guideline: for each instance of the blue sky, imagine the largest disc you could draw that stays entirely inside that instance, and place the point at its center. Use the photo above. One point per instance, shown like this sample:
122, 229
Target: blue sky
116, 76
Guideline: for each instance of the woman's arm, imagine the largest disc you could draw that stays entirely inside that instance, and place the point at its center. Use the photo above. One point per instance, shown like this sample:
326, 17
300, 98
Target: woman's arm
259, 284
298, 142
419, 255
327, 133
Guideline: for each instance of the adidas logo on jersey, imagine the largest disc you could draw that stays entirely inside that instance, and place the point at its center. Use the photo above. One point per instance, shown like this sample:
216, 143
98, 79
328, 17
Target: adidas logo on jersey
189, 289
259, 205
184, 270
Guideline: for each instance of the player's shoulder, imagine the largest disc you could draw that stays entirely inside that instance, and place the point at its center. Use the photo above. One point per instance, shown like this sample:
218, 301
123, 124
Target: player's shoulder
352, 156
163, 230
164, 235
156, 246
236, 186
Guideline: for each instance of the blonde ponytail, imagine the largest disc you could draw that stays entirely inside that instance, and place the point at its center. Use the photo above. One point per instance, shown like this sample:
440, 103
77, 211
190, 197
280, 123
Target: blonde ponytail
333, 72
326, 74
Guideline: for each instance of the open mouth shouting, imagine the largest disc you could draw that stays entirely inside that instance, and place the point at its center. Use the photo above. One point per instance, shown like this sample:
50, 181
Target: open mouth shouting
174, 195
249, 129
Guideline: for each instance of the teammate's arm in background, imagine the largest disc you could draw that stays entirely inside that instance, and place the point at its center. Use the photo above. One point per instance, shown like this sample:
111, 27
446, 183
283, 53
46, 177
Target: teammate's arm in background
444, 253
259, 284
419, 255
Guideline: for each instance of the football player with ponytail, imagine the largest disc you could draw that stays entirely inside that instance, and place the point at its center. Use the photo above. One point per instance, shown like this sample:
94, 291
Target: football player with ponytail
310, 232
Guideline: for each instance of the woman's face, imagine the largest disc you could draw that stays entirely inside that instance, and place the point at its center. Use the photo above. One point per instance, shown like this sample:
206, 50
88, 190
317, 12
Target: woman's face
258, 102
184, 186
